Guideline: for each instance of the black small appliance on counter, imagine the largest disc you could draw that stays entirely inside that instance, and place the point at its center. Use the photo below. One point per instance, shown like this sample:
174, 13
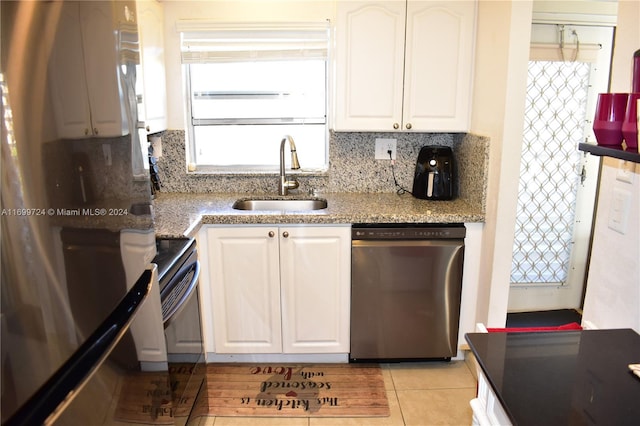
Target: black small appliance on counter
434, 178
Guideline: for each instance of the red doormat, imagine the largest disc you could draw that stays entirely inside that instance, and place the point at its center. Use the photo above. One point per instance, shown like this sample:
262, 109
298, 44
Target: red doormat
565, 327
292, 390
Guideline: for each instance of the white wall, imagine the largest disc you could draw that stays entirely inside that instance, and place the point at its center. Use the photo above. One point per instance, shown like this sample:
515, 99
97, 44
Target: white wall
627, 42
502, 54
613, 285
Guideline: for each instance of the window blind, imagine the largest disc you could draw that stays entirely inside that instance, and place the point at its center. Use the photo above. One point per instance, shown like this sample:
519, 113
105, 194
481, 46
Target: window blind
204, 41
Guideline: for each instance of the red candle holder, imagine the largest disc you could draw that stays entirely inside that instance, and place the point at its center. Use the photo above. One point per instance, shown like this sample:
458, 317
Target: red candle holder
610, 114
630, 123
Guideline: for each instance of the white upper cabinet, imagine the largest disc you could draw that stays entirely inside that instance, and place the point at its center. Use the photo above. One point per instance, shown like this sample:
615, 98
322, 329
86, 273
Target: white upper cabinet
438, 65
85, 73
151, 85
404, 65
369, 60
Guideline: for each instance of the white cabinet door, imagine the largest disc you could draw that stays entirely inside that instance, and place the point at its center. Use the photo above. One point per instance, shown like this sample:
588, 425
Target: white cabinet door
68, 83
85, 73
370, 59
438, 65
245, 289
102, 67
152, 78
315, 265
404, 65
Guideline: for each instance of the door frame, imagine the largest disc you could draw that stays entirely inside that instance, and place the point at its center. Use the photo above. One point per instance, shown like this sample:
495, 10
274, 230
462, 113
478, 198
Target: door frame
596, 45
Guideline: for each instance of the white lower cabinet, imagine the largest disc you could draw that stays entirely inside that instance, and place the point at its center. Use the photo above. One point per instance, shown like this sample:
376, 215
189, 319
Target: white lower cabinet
487, 410
279, 289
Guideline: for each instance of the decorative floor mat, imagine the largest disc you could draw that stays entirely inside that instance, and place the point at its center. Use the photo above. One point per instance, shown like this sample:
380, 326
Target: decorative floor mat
292, 390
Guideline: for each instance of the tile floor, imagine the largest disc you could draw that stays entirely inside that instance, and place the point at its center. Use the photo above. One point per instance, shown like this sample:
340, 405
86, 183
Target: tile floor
419, 394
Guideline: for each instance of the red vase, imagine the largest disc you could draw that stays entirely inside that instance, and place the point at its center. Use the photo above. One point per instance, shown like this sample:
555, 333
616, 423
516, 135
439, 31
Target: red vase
635, 83
630, 123
610, 114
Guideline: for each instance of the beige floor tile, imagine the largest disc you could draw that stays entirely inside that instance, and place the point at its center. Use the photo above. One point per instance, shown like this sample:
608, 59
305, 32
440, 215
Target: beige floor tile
261, 421
432, 375
436, 407
470, 359
395, 419
386, 375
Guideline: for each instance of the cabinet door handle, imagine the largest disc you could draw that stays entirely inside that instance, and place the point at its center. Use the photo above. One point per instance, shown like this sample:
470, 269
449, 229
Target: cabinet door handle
408, 126
285, 234
396, 126
86, 132
272, 234
95, 130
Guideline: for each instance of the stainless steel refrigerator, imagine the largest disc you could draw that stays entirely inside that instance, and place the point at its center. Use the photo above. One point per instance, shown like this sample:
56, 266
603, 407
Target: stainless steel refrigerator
80, 310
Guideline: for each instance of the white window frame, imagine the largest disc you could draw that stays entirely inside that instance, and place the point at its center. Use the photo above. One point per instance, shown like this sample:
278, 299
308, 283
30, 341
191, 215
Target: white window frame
203, 41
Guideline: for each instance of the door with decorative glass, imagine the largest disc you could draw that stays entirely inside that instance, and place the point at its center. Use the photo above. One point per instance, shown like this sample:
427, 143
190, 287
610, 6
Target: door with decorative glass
568, 67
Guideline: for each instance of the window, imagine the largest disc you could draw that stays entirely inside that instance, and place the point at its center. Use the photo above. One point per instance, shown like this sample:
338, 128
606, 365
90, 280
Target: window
248, 87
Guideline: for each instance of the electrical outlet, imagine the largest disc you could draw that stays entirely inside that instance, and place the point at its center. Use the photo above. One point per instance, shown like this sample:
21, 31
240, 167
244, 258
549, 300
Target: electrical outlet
383, 146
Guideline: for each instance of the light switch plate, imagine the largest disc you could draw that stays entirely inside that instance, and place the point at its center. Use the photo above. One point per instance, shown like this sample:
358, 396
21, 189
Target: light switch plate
619, 210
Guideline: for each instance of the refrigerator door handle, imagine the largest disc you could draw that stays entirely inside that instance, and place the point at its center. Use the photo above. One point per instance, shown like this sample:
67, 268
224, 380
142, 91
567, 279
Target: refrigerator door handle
52, 398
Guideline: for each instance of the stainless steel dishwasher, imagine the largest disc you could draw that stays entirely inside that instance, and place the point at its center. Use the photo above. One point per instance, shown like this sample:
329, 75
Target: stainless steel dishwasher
406, 282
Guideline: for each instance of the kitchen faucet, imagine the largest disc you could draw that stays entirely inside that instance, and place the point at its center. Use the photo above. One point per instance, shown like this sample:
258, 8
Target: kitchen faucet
286, 185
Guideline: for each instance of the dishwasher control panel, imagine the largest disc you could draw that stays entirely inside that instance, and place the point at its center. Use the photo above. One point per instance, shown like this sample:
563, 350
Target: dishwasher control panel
410, 232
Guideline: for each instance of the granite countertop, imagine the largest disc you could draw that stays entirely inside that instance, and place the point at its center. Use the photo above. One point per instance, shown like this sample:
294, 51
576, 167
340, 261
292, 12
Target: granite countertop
562, 377
181, 214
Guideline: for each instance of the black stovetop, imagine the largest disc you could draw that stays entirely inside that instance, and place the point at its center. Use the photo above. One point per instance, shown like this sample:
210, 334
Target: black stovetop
168, 252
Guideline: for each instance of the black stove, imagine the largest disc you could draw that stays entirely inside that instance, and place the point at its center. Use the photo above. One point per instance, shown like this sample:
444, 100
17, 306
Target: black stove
169, 251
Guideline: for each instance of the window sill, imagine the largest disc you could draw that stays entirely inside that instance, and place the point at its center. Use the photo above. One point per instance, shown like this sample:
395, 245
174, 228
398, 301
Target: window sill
213, 171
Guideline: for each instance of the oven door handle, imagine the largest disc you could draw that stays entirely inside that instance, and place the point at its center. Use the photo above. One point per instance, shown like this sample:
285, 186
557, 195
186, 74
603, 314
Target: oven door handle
177, 307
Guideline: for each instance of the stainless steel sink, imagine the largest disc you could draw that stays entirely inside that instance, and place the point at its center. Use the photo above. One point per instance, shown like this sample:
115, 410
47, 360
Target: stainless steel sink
280, 204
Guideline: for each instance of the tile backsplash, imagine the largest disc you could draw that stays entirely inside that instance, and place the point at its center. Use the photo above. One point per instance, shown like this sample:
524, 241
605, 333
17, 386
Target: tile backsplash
78, 174
352, 167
